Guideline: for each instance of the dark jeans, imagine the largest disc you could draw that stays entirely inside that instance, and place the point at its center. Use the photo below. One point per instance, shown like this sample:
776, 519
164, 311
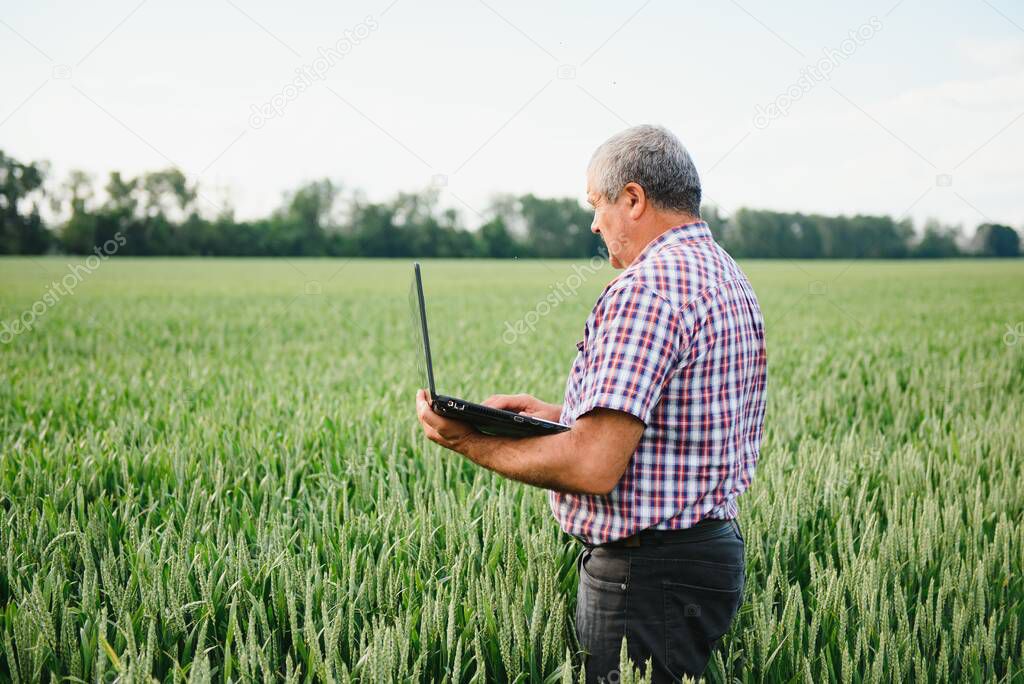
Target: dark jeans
672, 601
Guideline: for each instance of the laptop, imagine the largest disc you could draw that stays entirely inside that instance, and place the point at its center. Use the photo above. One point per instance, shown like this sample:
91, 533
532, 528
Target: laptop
490, 421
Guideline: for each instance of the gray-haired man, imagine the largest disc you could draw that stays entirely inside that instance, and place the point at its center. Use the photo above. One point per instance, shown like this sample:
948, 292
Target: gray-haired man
666, 401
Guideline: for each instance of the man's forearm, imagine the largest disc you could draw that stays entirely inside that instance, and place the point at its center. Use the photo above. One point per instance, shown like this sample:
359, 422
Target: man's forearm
546, 461
590, 458
551, 412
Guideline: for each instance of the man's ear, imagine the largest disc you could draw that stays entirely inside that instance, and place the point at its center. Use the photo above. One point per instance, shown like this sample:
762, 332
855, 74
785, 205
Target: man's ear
636, 200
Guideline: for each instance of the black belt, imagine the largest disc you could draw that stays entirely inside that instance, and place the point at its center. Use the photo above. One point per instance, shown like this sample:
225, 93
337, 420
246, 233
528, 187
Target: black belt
709, 528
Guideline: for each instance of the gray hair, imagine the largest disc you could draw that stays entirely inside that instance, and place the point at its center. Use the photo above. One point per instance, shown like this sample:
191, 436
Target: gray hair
654, 159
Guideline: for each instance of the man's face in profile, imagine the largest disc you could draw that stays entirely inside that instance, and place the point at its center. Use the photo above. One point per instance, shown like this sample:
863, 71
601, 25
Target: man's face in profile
609, 222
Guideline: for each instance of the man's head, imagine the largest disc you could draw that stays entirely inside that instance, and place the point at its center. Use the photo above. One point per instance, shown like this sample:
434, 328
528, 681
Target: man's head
640, 182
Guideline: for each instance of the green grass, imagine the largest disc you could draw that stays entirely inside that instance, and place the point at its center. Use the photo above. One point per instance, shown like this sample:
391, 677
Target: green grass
207, 474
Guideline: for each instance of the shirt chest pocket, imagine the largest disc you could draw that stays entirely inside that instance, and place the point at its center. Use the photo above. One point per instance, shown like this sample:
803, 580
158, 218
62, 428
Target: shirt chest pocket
583, 344
583, 348
573, 382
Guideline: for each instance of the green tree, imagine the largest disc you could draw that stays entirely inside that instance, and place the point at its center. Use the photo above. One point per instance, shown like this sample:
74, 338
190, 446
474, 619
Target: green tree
21, 191
937, 241
166, 192
558, 228
496, 241
716, 221
300, 227
374, 232
78, 234
996, 240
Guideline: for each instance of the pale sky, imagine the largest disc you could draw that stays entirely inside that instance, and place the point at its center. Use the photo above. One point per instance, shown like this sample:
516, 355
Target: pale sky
923, 115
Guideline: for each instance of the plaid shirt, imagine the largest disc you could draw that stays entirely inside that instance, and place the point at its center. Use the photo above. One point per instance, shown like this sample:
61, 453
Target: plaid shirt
676, 340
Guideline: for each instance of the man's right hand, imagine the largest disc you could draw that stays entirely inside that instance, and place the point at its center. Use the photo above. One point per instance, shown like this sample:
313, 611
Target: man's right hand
526, 404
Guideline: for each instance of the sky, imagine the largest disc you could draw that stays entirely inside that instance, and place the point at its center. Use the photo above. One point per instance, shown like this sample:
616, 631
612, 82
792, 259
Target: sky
907, 108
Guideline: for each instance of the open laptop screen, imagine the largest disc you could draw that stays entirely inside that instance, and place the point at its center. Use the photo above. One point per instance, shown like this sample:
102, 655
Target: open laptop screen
418, 310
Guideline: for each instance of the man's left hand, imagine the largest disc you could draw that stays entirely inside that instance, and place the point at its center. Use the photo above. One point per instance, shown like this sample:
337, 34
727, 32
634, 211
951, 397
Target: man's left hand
451, 434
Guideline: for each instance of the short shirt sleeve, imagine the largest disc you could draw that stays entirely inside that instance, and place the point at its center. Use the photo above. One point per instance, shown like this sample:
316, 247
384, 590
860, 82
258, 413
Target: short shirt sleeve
631, 352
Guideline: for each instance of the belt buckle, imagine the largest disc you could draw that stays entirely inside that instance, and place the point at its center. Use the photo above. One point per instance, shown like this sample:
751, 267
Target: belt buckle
632, 541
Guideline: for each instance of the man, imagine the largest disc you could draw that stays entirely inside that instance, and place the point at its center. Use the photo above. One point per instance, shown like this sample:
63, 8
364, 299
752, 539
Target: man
666, 402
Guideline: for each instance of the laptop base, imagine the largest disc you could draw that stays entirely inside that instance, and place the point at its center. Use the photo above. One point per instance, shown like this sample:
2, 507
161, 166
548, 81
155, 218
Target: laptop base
492, 421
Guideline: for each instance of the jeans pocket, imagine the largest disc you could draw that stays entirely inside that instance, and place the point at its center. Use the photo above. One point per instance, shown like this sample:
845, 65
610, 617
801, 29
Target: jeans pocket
601, 609
600, 568
579, 588
696, 617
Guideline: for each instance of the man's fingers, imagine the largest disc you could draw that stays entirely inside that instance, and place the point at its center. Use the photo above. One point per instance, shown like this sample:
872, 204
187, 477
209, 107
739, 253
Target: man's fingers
423, 410
433, 424
509, 402
447, 432
496, 400
421, 403
432, 434
426, 415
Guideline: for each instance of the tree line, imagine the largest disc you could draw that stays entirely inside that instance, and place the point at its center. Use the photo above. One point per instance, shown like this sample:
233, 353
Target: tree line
161, 213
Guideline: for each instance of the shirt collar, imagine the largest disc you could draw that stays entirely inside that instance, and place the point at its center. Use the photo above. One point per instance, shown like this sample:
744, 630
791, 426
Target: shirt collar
687, 232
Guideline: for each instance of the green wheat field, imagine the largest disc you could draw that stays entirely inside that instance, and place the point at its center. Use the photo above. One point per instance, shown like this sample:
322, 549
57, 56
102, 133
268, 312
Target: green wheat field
210, 470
